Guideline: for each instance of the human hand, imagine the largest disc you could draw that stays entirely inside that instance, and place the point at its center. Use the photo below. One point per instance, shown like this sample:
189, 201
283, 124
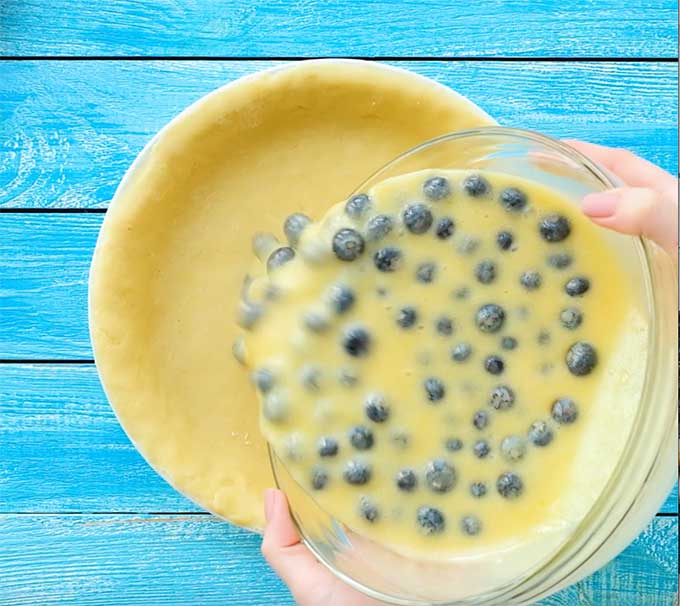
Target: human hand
310, 582
647, 206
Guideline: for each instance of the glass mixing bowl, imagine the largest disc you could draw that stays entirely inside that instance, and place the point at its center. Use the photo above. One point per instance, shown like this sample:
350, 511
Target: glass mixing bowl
643, 475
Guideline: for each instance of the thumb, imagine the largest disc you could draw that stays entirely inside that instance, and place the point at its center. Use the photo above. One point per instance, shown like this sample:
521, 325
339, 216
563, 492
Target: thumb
636, 211
282, 548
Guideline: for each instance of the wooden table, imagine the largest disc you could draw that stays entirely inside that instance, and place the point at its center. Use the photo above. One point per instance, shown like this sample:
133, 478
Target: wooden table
83, 86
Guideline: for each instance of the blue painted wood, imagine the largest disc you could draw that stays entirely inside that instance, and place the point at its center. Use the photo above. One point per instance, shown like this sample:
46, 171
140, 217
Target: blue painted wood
44, 264
70, 129
243, 28
64, 451
56, 418
197, 560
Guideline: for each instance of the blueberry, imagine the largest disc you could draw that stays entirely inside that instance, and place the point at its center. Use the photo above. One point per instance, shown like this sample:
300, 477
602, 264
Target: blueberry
417, 218
508, 343
378, 227
531, 280
540, 434
319, 478
357, 473
274, 407
571, 318
470, 525
357, 205
406, 480
434, 389
440, 476
504, 239
461, 293
328, 447
564, 411
400, 439
368, 510
543, 337
494, 365
310, 376
425, 272
480, 419
361, 437
348, 244
554, 228
444, 228
577, 286
478, 489
513, 199
485, 272
279, 257
481, 449
387, 259
490, 317
407, 317
436, 188
509, 485
272, 292
502, 398
513, 448
461, 352
293, 447
315, 321
581, 358
356, 341
430, 520
376, 407
263, 379
294, 225
476, 185
238, 350
468, 245
560, 260
444, 326
453, 444
347, 377
341, 297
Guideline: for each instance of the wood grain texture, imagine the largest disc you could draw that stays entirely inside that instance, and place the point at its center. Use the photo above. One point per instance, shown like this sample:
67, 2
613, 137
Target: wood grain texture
64, 451
198, 560
247, 28
44, 264
56, 418
68, 130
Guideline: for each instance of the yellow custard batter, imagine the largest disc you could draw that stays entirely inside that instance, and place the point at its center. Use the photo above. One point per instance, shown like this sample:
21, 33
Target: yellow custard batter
379, 371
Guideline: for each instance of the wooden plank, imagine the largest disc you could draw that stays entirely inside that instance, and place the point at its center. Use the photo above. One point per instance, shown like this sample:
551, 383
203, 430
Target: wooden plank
56, 418
187, 560
70, 129
44, 263
247, 28
63, 449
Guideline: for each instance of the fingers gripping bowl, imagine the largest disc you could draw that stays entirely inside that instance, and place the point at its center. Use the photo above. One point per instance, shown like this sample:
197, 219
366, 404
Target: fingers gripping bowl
453, 367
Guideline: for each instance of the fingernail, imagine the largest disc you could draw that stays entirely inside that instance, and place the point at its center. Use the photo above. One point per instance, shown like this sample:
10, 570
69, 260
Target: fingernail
269, 500
600, 205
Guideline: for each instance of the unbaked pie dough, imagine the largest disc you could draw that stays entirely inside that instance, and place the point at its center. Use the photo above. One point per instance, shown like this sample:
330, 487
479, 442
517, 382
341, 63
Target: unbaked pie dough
175, 244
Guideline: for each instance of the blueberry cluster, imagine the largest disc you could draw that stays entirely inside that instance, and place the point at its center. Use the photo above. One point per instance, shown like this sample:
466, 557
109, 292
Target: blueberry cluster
371, 240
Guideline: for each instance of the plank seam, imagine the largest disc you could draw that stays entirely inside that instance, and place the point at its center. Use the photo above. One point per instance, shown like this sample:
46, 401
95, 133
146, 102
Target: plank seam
47, 361
204, 514
478, 58
52, 211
